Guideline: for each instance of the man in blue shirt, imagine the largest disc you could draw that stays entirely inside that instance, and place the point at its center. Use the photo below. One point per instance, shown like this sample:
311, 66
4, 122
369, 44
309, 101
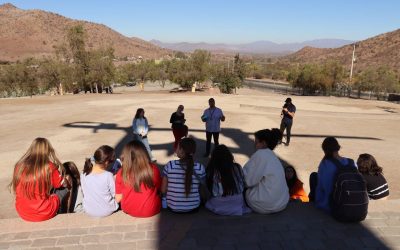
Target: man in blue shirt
287, 115
212, 117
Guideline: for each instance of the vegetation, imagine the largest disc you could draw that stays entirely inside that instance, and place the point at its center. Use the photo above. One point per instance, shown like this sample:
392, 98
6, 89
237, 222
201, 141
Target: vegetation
76, 68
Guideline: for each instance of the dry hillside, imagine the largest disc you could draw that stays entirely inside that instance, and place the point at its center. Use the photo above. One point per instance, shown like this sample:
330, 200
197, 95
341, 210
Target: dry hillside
34, 33
381, 50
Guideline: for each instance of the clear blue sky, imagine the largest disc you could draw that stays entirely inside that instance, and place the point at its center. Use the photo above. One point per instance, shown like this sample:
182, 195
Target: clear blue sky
232, 21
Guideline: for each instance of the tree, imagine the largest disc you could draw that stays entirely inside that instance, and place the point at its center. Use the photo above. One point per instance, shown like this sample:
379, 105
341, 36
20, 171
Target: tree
56, 74
239, 68
199, 66
101, 68
225, 79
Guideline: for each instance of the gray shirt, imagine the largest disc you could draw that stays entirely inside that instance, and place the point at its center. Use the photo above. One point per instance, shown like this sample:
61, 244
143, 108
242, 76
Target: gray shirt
98, 194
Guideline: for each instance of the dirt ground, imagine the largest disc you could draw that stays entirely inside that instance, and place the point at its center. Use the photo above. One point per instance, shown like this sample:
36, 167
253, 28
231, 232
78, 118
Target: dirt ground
77, 124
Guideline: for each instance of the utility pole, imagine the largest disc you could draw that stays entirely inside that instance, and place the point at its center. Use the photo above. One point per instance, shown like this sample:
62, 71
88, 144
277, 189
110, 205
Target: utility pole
351, 69
352, 62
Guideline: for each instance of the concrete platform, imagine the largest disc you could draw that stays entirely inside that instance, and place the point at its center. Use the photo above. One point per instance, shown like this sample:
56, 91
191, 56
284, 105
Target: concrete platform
300, 226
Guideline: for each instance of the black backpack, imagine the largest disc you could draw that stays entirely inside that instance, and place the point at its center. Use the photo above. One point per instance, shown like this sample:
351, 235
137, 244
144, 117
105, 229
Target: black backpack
349, 201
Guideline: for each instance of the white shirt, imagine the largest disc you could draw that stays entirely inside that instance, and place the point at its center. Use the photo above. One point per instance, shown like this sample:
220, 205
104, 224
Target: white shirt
265, 177
213, 119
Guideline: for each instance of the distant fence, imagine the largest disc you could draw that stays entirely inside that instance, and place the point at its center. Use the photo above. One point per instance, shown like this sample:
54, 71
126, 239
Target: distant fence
271, 86
285, 88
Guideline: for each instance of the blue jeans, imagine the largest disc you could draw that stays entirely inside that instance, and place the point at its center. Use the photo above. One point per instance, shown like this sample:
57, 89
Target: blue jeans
145, 143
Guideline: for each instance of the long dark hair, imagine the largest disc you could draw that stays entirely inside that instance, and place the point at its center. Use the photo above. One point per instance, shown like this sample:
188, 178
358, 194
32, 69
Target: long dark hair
330, 146
367, 165
290, 182
102, 155
271, 137
72, 176
138, 112
188, 146
136, 167
222, 163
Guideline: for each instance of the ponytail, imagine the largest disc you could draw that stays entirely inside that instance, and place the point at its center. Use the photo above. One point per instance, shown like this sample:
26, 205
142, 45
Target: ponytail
102, 155
87, 168
188, 146
189, 162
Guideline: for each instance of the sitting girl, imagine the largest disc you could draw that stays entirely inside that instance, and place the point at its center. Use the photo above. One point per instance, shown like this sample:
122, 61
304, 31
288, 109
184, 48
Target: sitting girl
267, 191
73, 183
377, 186
181, 179
138, 182
37, 182
296, 190
98, 185
225, 180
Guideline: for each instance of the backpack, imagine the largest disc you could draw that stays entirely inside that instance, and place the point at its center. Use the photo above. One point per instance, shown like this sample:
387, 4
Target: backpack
349, 201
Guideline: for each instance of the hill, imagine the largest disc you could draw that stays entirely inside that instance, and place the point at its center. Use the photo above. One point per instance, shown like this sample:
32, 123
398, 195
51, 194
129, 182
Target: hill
258, 47
381, 50
34, 33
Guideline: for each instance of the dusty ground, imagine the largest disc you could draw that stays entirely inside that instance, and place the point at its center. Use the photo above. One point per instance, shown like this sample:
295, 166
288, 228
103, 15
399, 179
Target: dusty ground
77, 125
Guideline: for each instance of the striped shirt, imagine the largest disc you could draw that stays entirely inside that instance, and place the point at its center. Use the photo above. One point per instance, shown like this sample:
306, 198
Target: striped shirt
377, 186
176, 198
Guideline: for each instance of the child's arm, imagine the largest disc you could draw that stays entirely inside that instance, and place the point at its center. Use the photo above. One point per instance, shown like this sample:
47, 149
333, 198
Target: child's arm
118, 187
164, 185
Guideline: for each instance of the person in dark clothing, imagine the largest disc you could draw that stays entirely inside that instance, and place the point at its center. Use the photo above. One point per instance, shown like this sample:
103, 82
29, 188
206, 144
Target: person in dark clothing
179, 129
287, 115
377, 185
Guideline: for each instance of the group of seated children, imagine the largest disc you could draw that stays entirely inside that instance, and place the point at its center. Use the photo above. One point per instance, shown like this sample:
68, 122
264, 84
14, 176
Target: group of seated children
44, 187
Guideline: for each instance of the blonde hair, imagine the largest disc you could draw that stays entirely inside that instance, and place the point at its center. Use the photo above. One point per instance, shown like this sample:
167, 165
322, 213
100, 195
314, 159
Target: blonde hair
136, 168
32, 170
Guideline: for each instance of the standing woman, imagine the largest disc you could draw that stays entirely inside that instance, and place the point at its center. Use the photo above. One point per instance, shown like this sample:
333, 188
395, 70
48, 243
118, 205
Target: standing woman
37, 182
267, 191
140, 128
138, 182
179, 129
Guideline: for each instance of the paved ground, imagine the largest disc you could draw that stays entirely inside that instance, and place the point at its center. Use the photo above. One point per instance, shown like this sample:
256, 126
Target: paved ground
77, 125
300, 226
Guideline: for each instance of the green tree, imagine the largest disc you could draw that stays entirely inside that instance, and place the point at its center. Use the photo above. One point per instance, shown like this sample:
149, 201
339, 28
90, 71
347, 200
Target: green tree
225, 79
199, 66
101, 68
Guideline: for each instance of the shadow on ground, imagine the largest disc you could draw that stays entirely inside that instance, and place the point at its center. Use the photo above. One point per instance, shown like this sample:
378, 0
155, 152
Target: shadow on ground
300, 226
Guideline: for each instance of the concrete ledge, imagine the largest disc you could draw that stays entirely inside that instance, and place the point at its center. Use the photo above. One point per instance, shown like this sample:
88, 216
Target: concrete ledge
300, 226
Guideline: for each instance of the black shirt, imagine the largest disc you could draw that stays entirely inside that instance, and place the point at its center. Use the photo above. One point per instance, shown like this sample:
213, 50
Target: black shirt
292, 109
377, 186
177, 120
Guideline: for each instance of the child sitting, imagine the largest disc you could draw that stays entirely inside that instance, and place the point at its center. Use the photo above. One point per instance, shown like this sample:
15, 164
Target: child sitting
98, 185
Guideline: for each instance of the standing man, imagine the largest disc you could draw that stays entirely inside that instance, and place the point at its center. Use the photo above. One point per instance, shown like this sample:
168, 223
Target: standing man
212, 117
287, 115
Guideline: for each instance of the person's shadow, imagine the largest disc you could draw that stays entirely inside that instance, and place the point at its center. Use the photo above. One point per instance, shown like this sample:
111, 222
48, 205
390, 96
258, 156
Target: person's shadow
243, 140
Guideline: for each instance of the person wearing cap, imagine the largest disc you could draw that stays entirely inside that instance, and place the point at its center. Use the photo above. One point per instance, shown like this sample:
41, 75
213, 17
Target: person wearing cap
212, 117
287, 115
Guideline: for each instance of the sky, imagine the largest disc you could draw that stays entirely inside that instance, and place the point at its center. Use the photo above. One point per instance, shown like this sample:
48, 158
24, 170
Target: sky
232, 21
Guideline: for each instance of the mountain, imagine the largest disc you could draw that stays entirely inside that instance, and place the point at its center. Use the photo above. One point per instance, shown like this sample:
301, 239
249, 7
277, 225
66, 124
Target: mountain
34, 33
380, 50
258, 47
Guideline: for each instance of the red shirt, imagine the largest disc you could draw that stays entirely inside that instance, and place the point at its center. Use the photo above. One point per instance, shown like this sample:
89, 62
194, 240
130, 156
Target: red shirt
140, 204
41, 207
